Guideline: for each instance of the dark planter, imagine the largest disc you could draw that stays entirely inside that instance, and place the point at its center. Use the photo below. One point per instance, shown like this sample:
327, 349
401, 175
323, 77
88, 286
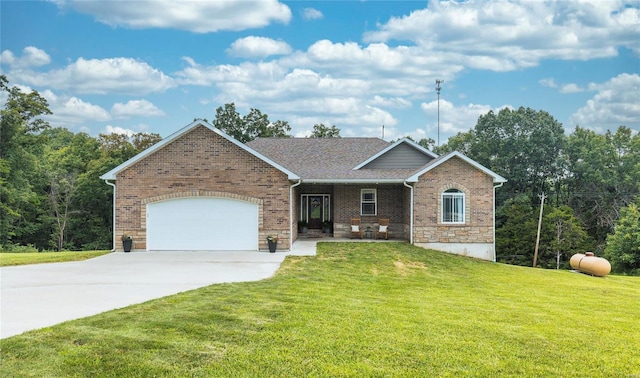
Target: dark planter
272, 245
127, 244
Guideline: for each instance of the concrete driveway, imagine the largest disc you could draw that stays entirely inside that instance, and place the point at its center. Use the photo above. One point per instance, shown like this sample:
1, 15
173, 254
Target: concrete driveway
42, 295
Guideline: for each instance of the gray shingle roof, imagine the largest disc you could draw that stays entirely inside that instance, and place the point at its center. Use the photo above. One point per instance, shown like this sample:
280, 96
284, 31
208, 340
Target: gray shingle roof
327, 158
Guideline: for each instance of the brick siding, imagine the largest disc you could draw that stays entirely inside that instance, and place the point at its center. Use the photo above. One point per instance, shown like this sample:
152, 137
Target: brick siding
478, 188
390, 200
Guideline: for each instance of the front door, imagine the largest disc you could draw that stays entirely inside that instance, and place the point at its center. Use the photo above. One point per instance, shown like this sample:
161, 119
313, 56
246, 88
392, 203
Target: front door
315, 212
315, 209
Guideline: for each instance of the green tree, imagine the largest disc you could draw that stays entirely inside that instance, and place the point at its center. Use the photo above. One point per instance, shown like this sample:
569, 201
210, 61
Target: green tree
603, 176
522, 145
461, 142
428, 143
66, 157
251, 126
91, 226
516, 231
561, 234
322, 131
20, 171
623, 246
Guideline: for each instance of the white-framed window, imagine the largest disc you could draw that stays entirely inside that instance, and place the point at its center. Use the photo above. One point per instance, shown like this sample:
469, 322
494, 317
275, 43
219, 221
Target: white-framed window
453, 206
368, 202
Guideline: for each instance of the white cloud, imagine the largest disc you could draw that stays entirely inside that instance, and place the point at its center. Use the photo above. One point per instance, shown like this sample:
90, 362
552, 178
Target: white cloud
548, 82
109, 129
31, 57
391, 102
122, 75
615, 104
76, 107
311, 14
508, 35
564, 88
258, 47
72, 111
194, 16
135, 108
571, 88
7, 57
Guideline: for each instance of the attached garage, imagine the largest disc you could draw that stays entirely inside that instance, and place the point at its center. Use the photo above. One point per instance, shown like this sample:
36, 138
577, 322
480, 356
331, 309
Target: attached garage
202, 224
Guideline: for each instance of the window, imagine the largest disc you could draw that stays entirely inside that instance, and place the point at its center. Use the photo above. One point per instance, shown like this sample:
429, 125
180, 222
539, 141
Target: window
453, 206
368, 205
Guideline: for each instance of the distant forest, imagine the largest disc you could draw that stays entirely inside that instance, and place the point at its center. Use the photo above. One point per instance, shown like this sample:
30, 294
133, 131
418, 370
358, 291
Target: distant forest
51, 196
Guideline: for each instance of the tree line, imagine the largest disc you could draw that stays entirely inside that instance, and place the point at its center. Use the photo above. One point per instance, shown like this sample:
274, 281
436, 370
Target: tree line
51, 197
591, 184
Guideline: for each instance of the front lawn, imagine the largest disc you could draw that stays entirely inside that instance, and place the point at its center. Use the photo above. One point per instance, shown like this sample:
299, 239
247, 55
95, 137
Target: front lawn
358, 310
8, 259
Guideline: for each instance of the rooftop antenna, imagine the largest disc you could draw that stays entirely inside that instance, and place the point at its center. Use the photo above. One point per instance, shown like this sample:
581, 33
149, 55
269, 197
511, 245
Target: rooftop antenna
383, 131
438, 88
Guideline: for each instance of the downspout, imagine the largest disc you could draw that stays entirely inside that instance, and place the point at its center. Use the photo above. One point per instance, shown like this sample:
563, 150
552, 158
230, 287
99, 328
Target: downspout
494, 220
114, 213
291, 213
411, 213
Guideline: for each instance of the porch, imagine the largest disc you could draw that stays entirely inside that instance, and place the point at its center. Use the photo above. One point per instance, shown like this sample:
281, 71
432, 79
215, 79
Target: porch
332, 206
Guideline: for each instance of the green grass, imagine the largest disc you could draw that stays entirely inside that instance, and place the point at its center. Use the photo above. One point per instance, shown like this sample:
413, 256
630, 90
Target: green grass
9, 259
358, 310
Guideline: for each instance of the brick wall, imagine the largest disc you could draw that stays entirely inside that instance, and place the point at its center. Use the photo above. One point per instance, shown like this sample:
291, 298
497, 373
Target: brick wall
202, 163
390, 199
478, 189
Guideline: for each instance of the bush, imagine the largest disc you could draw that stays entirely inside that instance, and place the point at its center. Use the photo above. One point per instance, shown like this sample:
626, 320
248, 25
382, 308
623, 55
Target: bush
623, 246
15, 248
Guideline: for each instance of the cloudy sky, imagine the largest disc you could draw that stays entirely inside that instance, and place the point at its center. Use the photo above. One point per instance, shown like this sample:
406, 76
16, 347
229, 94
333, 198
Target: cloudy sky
156, 65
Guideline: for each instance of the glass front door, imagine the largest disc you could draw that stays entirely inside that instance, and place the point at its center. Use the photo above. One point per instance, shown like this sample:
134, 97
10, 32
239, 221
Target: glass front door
315, 209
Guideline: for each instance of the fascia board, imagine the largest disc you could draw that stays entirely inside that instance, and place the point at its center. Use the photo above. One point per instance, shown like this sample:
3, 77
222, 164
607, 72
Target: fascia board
353, 181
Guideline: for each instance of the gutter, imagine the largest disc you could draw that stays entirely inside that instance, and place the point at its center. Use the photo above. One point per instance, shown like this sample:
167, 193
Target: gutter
291, 213
114, 213
411, 215
356, 181
494, 219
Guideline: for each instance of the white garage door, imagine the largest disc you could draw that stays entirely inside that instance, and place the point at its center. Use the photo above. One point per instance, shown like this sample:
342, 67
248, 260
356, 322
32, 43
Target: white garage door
202, 224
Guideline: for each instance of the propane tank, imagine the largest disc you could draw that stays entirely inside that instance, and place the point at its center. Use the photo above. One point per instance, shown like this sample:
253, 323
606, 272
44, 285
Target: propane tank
590, 264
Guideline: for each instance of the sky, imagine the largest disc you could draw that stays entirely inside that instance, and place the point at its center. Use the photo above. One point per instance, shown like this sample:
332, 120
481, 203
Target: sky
363, 66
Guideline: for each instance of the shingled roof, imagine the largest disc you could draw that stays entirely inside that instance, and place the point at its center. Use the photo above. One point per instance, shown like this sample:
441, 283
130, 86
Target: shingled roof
328, 159
333, 160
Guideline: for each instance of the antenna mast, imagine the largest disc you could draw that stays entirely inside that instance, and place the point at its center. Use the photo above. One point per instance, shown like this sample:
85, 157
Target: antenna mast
438, 88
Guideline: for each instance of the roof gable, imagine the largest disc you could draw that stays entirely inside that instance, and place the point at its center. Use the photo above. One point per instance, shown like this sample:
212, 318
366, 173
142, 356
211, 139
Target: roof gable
111, 175
435, 163
402, 154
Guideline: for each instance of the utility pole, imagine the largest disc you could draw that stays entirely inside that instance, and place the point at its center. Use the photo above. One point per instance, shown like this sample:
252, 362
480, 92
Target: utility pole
535, 254
438, 88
